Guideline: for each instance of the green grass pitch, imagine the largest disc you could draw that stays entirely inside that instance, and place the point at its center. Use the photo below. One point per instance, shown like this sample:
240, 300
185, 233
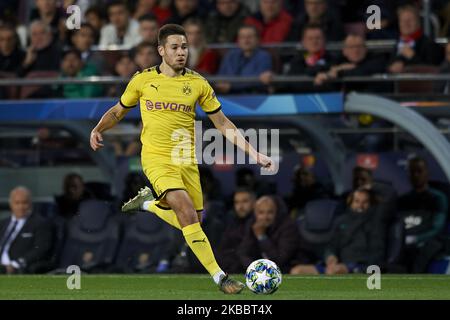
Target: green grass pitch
198, 287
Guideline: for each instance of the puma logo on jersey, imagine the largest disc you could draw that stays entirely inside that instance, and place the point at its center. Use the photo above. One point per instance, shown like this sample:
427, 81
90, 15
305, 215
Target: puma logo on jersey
156, 87
203, 240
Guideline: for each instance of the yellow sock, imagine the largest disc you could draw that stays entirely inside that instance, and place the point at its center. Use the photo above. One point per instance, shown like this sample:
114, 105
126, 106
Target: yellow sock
199, 244
168, 215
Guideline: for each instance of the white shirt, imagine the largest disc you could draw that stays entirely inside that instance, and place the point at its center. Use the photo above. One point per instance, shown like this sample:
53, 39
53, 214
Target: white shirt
5, 256
108, 35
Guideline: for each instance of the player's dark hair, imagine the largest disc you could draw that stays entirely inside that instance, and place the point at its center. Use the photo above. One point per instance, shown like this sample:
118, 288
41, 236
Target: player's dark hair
169, 30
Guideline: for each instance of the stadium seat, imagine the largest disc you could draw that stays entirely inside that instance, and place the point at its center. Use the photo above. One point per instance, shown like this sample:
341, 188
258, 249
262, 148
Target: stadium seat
395, 243
8, 92
32, 91
418, 86
92, 237
99, 190
146, 239
47, 210
316, 227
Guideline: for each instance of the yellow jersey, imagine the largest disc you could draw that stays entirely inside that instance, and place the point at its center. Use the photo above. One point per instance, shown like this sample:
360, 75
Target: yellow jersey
167, 106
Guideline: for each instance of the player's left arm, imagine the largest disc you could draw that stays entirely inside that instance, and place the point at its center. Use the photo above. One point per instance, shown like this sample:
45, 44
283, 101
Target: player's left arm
229, 130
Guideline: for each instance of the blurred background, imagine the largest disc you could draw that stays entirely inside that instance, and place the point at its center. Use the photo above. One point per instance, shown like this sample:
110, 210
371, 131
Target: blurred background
363, 117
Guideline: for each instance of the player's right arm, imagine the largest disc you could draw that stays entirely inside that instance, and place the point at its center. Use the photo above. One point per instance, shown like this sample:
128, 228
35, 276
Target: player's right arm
108, 120
128, 100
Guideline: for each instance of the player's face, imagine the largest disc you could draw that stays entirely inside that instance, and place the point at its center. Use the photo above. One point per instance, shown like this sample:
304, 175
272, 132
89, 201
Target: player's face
175, 51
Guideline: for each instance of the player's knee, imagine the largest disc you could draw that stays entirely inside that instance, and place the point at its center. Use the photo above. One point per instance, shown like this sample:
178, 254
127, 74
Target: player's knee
188, 215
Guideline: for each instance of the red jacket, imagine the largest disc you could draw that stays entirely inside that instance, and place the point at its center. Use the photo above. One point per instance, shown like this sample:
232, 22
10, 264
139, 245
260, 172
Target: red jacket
208, 62
276, 30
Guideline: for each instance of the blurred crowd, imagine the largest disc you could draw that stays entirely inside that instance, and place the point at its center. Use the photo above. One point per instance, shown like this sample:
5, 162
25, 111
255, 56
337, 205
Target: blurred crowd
35, 42
310, 231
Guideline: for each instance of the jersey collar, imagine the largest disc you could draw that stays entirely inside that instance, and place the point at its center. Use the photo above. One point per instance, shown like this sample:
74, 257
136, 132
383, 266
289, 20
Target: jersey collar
159, 70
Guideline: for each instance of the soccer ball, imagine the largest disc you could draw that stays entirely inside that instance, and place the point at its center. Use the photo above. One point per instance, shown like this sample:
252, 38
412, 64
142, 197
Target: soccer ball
263, 276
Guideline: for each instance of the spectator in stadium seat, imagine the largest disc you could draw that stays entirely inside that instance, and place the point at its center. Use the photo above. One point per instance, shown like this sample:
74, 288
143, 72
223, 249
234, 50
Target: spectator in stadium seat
424, 212
48, 12
236, 222
83, 40
444, 86
247, 60
148, 29
272, 21
25, 238
306, 188
74, 192
11, 56
72, 66
315, 60
95, 17
444, 14
223, 23
159, 8
186, 9
125, 67
413, 47
43, 53
359, 240
316, 12
270, 234
146, 56
355, 61
122, 30
201, 59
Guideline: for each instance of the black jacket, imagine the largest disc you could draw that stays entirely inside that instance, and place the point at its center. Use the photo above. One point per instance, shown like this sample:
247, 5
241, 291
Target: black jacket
298, 67
232, 237
12, 62
32, 244
281, 245
426, 52
359, 238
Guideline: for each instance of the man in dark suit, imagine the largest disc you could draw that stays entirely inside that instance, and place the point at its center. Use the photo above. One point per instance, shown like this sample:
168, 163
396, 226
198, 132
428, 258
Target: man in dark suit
25, 238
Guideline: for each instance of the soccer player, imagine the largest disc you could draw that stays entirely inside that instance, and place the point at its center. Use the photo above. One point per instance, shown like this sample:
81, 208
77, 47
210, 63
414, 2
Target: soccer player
168, 94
